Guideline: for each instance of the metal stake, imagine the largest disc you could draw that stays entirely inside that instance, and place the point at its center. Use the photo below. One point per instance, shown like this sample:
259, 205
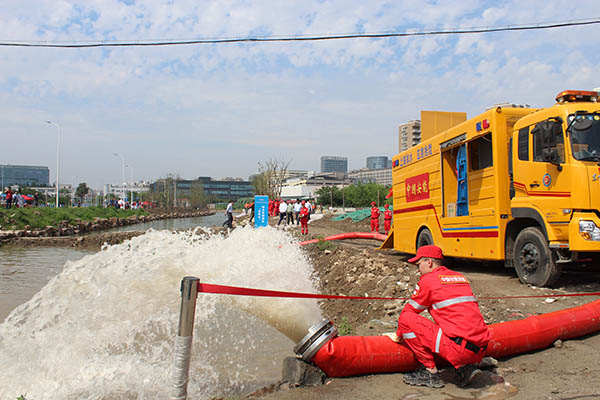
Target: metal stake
183, 341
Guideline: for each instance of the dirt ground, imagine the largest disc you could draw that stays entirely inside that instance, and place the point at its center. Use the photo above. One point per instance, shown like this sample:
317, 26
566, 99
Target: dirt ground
567, 370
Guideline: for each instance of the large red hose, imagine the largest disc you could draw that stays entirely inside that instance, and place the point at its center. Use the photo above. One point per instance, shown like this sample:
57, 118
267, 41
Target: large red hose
359, 355
348, 235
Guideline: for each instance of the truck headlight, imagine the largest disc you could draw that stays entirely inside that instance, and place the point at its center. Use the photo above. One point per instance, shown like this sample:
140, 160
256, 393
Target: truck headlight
588, 230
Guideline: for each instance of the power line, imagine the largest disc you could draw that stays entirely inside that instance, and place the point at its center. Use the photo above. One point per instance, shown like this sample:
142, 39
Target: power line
258, 39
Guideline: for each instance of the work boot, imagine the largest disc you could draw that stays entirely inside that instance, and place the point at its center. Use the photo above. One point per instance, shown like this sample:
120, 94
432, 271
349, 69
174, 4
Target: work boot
466, 373
422, 377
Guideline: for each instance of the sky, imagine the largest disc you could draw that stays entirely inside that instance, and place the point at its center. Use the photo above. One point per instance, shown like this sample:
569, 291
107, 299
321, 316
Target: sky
219, 110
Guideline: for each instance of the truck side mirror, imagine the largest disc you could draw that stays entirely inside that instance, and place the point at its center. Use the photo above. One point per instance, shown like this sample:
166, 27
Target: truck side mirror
549, 130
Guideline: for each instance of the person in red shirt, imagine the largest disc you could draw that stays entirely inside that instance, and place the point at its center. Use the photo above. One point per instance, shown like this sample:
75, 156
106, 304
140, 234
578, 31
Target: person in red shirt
458, 334
374, 217
304, 219
387, 219
9, 197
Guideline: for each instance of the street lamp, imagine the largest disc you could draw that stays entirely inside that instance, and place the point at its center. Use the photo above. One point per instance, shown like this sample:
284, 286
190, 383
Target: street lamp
123, 171
57, 159
131, 187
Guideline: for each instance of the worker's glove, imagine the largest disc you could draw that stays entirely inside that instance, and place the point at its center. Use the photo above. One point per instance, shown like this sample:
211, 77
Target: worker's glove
393, 336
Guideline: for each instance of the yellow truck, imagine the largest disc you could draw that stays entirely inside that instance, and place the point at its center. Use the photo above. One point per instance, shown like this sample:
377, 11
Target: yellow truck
514, 184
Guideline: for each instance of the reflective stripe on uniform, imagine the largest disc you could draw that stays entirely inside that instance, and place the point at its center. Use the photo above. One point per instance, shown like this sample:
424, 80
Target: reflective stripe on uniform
416, 305
438, 340
450, 302
409, 335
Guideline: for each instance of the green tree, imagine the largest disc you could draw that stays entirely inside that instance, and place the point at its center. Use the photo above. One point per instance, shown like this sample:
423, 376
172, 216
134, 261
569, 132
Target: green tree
82, 191
269, 179
197, 197
330, 196
357, 195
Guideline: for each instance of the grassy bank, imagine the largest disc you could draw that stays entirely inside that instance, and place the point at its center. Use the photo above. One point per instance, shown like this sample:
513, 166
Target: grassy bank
40, 217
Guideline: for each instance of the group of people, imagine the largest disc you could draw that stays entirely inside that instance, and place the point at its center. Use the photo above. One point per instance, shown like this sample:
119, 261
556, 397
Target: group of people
291, 212
387, 218
19, 200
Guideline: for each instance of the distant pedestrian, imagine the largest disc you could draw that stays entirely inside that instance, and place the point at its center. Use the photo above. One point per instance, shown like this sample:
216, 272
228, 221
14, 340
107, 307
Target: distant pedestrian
36, 199
251, 212
229, 214
374, 217
9, 197
20, 200
387, 219
310, 209
297, 208
290, 212
304, 219
282, 211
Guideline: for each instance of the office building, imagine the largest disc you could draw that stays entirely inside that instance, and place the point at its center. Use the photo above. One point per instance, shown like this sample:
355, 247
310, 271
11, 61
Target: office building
409, 135
186, 191
24, 176
381, 176
378, 162
334, 164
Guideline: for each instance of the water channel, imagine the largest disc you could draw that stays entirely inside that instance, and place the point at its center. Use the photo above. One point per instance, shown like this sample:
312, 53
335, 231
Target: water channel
101, 325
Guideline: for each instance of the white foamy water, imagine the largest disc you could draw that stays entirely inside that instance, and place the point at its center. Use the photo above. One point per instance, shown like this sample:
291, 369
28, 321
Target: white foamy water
104, 328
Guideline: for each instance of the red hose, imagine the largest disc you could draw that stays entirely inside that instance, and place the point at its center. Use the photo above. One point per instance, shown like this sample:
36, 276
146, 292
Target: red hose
348, 235
359, 355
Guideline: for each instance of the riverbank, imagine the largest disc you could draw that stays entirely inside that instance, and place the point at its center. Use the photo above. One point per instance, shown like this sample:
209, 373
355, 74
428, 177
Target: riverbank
69, 228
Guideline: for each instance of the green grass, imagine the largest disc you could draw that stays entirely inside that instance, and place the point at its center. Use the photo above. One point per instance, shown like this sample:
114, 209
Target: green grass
40, 217
325, 244
344, 328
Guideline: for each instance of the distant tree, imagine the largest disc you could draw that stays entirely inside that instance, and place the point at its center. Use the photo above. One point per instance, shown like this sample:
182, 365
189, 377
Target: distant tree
329, 196
357, 195
269, 179
165, 191
81, 191
197, 197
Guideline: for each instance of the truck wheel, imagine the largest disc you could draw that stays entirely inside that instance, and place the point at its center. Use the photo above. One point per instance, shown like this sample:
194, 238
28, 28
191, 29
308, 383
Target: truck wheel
533, 260
424, 238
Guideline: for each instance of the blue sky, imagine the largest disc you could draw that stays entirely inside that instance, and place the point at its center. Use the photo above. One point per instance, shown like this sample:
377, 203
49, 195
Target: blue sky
219, 110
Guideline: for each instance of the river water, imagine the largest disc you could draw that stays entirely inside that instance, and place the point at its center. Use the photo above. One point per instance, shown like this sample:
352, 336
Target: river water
102, 325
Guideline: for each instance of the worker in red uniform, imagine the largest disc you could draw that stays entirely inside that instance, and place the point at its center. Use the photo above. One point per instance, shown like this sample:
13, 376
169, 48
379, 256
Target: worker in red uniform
271, 206
459, 333
387, 219
304, 218
374, 217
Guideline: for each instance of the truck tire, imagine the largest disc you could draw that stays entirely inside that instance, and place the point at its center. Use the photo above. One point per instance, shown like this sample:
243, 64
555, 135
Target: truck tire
533, 260
425, 238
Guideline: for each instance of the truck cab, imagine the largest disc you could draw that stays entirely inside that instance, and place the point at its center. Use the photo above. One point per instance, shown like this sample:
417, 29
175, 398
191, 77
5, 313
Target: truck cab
555, 187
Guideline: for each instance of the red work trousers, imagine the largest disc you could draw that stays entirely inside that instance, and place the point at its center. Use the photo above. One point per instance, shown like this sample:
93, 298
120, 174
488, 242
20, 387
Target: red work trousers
374, 224
304, 224
425, 338
387, 224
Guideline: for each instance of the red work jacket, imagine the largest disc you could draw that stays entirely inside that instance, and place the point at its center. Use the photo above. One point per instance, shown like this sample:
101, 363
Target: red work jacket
374, 212
387, 215
447, 296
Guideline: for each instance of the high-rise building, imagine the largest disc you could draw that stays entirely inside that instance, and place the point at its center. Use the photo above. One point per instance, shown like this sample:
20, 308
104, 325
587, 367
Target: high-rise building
334, 164
378, 162
409, 135
24, 175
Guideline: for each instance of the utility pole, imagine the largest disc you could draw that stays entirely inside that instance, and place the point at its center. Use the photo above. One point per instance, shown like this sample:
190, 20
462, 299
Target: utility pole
57, 160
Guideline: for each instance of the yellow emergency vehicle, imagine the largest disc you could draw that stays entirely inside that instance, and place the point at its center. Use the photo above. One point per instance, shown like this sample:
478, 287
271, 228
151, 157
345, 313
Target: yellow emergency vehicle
515, 184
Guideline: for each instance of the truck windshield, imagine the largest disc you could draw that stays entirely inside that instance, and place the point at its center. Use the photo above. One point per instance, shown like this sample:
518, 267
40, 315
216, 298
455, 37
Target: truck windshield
585, 142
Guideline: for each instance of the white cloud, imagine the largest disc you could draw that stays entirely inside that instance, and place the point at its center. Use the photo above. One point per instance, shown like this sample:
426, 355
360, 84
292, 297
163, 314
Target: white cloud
219, 109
